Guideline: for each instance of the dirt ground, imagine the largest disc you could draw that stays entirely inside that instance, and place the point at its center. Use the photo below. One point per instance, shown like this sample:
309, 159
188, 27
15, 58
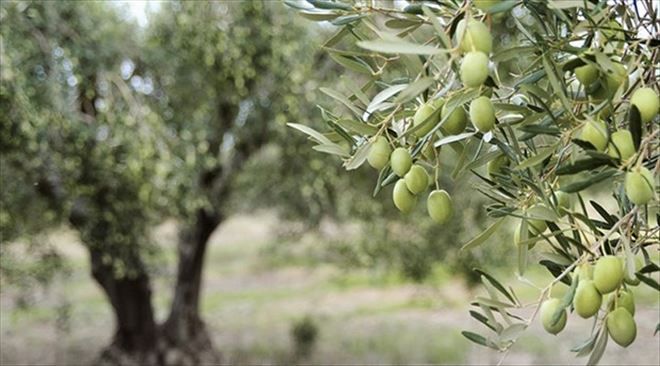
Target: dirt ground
363, 317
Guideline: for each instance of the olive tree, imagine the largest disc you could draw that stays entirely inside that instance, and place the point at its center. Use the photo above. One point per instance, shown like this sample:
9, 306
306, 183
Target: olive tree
110, 129
544, 104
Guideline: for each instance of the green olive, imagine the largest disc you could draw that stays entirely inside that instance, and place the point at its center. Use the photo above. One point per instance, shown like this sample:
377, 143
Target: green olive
639, 186
626, 300
496, 165
440, 206
476, 37
456, 122
585, 271
621, 145
474, 69
595, 133
608, 274
401, 161
485, 4
548, 309
647, 102
586, 74
558, 290
379, 153
403, 199
482, 114
417, 179
587, 299
614, 80
422, 115
621, 327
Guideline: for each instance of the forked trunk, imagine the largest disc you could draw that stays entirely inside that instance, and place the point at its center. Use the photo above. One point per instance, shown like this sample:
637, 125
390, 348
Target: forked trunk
185, 337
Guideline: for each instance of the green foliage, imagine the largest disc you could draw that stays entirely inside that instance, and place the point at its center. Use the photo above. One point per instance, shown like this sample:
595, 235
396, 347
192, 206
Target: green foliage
527, 106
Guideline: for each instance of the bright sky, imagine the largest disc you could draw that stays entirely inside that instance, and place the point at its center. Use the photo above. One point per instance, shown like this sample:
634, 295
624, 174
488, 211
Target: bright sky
138, 9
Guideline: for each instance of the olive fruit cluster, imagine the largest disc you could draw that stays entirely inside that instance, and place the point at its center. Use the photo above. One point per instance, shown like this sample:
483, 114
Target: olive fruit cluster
639, 182
475, 40
414, 180
594, 282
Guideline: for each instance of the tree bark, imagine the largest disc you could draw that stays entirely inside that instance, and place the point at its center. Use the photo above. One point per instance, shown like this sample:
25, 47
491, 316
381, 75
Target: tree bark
185, 338
134, 342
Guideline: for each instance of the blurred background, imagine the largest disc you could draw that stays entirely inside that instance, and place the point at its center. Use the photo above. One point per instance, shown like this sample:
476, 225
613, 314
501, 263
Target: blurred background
157, 209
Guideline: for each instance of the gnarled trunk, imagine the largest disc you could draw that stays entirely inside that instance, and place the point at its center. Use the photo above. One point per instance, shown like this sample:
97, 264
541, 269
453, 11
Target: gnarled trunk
134, 342
185, 338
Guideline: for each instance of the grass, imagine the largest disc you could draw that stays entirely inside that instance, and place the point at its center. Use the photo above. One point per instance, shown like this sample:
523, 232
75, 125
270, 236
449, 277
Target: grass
251, 301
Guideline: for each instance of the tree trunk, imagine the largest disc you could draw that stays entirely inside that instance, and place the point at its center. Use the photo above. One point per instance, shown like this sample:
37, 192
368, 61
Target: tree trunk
134, 342
185, 338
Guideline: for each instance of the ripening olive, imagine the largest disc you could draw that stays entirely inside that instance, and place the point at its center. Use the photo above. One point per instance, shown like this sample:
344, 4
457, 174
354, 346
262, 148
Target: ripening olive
476, 37
548, 309
379, 153
417, 179
482, 114
595, 133
400, 161
403, 199
587, 299
621, 327
621, 145
439, 206
495, 166
586, 74
421, 115
608, 274
474, 69
626, 300
456, 122
639, 186
647, 102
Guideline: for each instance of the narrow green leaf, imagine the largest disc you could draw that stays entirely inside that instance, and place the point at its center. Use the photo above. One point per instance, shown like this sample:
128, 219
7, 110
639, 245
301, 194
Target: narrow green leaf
358, 158
350, 63
318, 16
453, 138
496, 284
536, 159
635, 126
342, 99
332, 149
348, 19
477, 240
599, 348
392, 45
476, 338
512, 332
317, 136
588, 182
413, 90
401, 23
326, 4
359, 128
